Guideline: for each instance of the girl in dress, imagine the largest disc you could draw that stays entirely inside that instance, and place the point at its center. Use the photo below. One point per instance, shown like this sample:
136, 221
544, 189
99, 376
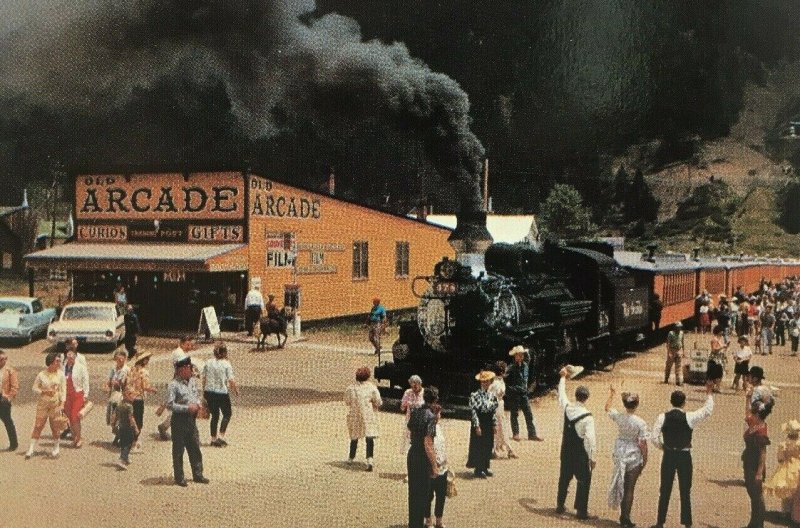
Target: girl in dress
784, 483
498, 388
717, 359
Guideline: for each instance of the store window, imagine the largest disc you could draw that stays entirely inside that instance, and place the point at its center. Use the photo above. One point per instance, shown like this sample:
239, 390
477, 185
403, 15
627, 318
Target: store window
401, 259
360, 260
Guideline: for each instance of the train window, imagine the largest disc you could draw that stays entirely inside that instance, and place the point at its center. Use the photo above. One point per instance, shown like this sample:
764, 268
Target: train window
678, 287
401, 259
360, 259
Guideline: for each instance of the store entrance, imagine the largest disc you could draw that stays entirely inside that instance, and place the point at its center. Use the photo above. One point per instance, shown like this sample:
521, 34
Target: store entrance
166, 300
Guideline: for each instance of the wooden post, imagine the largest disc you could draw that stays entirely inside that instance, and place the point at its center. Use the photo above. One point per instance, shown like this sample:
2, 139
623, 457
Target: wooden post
486, 185
30, 282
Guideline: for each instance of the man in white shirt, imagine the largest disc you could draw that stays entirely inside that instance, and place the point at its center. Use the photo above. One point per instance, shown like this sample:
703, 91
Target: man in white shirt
253, 308
182, 352
578, 447
672, 433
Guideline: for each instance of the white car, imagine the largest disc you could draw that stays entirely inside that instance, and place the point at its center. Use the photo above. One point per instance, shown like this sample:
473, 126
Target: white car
91, 323
23, 318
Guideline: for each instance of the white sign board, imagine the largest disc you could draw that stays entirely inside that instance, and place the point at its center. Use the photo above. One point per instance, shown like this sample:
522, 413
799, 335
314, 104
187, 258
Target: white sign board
210, 316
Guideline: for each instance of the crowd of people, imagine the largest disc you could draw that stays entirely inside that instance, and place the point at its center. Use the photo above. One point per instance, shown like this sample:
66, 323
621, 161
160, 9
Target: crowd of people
62, 389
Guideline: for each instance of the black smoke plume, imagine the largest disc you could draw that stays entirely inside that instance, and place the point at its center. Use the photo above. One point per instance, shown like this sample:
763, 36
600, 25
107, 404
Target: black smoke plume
146, 81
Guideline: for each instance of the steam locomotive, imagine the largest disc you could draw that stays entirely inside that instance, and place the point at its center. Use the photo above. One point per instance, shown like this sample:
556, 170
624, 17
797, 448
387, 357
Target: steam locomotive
582, 304
565, 304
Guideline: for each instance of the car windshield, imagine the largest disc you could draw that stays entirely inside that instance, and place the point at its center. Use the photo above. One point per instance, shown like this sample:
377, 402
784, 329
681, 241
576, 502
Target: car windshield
76, 313
11, 307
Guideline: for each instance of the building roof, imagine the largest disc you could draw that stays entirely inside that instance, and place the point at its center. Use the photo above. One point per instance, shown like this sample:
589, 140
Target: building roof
187, 257
7, 210
503, 228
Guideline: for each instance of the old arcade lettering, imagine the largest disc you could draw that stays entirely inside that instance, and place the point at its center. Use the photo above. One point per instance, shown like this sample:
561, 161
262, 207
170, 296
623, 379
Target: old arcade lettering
200, 196
285, 206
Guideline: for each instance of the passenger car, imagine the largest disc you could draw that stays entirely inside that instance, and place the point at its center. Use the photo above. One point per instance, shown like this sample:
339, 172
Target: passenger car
24, 318
94, 323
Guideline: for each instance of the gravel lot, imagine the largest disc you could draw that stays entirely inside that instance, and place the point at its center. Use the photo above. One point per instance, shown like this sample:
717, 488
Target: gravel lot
288, 442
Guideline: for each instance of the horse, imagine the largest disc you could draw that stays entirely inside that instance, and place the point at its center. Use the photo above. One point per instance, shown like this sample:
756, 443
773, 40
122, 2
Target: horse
275, 326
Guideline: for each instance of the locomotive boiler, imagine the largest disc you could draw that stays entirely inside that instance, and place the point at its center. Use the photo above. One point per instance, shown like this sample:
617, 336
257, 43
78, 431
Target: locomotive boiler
565, 304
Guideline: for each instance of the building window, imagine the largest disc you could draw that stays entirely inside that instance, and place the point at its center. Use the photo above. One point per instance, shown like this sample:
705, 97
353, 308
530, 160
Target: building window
360, 260
678, 288
401, 259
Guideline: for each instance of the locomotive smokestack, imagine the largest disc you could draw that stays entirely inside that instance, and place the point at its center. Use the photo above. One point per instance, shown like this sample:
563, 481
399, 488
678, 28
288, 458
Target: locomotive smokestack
651, 252
470, 239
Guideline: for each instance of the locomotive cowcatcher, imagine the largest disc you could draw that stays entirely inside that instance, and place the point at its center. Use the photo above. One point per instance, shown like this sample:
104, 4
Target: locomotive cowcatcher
565, 304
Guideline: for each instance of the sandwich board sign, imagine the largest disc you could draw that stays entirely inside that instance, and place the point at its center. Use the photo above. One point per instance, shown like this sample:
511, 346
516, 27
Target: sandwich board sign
209, 324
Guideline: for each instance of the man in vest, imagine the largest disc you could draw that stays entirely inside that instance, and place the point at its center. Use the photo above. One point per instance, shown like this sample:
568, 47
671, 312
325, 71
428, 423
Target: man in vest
675, 352
672, 432
578, 446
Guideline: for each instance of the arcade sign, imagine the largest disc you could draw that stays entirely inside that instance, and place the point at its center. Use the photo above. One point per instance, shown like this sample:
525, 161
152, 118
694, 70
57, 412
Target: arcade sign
197, 196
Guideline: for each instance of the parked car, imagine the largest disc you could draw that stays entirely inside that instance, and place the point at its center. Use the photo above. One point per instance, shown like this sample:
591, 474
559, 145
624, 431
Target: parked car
24, 318
91, 323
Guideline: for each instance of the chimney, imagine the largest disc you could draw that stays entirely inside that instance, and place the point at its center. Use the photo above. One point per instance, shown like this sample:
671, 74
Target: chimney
696, 254
25, 198
651, 252
422, 212
332, 183
470, 239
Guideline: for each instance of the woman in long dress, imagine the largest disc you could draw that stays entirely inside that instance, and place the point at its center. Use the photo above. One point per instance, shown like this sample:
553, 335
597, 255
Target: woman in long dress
412, 399
630, 454
483, 405
754, 457
784, 483
498, 388
363, 399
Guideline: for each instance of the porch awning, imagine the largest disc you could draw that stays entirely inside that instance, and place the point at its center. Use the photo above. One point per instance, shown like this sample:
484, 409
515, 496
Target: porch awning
141, 257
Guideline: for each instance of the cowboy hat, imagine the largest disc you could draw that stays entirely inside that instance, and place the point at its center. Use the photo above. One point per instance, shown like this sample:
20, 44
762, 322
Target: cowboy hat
140, 356
485, 375
573, 370
519, 349
792, 426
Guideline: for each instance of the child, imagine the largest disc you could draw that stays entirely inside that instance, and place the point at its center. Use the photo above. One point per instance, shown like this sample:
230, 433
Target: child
784, 482
742, 358
126, 429
116, 380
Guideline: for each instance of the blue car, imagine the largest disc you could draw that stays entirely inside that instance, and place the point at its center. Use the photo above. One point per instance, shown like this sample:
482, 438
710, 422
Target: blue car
24, 318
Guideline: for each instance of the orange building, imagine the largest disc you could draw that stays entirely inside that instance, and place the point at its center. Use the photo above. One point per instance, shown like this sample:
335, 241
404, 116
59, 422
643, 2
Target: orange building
180, 242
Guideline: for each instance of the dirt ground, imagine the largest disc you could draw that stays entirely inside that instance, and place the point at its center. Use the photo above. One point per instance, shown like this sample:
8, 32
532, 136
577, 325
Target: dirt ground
285, 465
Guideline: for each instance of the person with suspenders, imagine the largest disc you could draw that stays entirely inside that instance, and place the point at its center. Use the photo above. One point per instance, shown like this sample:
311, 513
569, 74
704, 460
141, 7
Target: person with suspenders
578, 446
672, 432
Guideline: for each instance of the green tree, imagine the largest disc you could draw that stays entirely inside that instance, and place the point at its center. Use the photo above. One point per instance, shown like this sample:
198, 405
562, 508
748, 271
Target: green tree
563, 214
639, 202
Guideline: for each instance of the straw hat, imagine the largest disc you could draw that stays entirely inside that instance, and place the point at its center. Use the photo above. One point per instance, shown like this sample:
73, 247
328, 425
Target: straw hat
792, 426
140, 356
485, 375
519, 349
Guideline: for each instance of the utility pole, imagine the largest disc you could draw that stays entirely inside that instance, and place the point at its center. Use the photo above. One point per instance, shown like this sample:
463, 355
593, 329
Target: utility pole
56, 171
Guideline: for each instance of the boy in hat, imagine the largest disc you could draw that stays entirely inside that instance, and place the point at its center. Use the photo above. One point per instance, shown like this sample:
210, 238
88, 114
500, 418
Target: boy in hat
675, 350
517, 392
183, 399
578, 447
124, 423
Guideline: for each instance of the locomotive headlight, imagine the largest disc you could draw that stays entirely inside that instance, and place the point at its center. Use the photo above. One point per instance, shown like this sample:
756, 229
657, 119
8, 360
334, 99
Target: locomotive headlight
447, 270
